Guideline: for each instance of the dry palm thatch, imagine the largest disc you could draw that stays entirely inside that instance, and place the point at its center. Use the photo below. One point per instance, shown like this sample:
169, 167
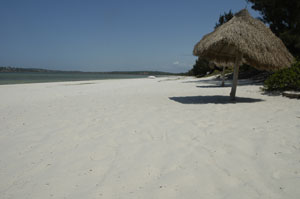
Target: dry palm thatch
244, 39
248, 36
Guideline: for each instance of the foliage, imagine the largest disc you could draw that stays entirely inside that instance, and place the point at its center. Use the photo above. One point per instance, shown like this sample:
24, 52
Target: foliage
224, 18
200, 68
247, 71
218, 71
285, 79
284, 20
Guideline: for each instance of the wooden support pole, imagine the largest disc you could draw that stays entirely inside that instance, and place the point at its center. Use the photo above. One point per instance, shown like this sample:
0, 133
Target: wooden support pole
223, 77
238, 60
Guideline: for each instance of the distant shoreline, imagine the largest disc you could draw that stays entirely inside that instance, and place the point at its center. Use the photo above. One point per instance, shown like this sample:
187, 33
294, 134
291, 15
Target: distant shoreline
12, 75
9, 69
7, 78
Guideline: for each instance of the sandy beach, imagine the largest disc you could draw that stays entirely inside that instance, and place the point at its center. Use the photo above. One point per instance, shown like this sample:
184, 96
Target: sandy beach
171, 137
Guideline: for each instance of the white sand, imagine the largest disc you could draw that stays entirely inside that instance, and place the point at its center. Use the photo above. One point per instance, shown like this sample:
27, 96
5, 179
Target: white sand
147, 138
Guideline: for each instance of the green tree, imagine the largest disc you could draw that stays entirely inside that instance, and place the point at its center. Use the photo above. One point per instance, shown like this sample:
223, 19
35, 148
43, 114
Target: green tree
224, 18
200, 68
283, 18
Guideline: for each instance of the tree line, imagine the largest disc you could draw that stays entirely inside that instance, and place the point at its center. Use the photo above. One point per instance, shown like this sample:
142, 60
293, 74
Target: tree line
283, 18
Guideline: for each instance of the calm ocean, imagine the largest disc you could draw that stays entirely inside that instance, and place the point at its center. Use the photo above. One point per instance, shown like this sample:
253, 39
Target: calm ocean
34, 77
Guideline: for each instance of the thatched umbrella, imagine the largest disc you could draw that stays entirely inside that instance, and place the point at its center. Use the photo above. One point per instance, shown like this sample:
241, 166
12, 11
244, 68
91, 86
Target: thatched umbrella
244, 39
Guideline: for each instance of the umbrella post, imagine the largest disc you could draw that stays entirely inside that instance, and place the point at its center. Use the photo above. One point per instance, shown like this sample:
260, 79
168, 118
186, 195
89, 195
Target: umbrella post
235, 76
223, 77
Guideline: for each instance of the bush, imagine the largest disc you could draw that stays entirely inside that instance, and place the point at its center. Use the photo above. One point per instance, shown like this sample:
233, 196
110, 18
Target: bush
247, 72
200, 68
285, 79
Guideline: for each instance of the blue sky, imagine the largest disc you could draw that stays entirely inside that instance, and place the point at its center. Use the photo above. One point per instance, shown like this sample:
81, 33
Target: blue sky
107, 35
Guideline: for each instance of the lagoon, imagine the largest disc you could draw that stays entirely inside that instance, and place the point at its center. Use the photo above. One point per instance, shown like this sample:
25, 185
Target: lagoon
39, 77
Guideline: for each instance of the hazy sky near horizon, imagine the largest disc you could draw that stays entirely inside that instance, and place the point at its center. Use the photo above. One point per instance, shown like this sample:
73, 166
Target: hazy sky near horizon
107, 35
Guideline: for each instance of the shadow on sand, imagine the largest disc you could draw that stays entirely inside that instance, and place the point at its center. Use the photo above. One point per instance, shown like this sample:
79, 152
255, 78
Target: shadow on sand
213, 86
214, 99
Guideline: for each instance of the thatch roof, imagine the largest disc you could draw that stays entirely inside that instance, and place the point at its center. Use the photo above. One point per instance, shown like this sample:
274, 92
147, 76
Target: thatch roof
247, 36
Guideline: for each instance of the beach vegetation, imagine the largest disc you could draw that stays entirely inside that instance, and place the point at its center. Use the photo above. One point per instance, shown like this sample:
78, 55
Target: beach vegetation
224, 18
284, 80
246, 71
283, 18
201, 68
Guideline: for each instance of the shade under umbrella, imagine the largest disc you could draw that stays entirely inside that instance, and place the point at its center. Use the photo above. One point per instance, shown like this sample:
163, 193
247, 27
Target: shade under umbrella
244, 40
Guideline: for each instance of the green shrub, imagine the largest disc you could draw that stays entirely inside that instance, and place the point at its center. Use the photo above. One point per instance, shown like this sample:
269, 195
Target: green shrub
200, 68
285, 79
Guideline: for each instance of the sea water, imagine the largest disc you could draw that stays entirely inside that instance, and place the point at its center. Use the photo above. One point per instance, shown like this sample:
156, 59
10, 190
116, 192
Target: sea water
38, 77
